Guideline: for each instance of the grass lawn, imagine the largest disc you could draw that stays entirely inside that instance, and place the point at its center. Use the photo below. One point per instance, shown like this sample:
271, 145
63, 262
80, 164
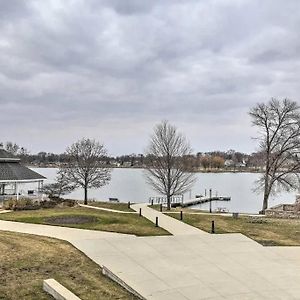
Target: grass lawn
270, 232
26, 260
87, 218
177, 209
111, 205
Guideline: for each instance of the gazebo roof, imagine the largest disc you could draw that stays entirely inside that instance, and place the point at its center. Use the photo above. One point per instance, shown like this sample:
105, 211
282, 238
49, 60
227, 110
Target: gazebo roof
11, 170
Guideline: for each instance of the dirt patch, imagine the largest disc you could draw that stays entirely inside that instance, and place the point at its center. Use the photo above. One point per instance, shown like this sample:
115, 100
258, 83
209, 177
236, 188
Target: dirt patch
70, 220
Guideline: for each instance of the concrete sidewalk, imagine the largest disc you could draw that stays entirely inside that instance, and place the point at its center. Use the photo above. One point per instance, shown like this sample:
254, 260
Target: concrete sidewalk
170, 224
186, 266
107, 209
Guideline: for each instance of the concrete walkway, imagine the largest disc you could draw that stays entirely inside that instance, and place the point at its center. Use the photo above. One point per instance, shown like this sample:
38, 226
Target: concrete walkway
107, 209
170, 224
186, 265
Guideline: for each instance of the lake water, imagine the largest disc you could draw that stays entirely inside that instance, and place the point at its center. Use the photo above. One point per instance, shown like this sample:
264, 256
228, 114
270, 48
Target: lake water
130, 185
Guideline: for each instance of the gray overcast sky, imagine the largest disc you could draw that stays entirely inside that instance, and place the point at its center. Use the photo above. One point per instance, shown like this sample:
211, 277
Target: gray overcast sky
111, 69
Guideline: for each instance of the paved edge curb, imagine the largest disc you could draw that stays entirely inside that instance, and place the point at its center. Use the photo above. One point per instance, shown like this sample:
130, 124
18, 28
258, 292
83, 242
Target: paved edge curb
114, 277
58, 291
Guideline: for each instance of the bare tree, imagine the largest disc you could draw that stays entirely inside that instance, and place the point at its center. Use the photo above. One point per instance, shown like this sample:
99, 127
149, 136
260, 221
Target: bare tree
12, 148
166, 170
279, 136
85, 166
60, 187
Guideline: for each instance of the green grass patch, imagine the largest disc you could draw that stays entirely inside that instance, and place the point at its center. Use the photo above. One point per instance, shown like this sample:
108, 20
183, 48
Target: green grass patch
26, 260
88, 218
111, 205
266, 231
177, 209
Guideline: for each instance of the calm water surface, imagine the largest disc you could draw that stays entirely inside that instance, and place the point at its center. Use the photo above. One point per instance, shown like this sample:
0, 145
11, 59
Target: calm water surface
130, 185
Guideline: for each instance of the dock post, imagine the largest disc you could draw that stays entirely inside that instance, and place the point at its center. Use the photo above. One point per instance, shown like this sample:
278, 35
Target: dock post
140, 212
212, 226
128, 204
210, 191
156, 222
160, 207
181, 215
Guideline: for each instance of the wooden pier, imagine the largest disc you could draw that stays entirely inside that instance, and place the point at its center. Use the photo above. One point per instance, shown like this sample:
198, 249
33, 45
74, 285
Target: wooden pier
200, 200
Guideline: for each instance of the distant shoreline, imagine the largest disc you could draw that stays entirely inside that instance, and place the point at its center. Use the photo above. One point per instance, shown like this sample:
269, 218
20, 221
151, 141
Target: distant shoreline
213, 171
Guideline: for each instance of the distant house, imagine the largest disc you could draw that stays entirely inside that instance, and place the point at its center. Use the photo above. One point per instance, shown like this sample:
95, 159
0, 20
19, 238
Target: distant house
14, 177
229, 163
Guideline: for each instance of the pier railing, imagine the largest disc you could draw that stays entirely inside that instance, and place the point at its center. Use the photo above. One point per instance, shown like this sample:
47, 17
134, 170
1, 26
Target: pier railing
178, 199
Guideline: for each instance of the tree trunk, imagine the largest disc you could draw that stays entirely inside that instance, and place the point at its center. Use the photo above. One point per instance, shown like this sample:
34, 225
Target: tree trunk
168, 202
85, 196
266, 194
265, 202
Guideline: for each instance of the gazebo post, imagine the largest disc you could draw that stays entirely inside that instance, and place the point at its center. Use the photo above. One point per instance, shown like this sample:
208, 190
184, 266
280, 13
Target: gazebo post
17, 191
42, 184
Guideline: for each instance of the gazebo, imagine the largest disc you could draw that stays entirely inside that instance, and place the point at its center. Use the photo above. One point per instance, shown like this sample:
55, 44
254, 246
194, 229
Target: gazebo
13, 175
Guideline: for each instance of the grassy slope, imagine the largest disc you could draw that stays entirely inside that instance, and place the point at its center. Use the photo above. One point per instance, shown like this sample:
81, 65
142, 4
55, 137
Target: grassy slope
26, 260
106, 221
270, 232
111, 205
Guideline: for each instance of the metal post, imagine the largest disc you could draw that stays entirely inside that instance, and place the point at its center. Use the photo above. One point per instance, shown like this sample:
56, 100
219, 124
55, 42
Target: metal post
156, 222
212, 226
181, 215
152, 202
140, 212
210, 191
160, 207
128, 204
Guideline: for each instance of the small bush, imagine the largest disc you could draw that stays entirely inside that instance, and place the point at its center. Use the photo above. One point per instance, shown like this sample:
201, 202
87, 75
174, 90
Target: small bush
21, 204
31, 204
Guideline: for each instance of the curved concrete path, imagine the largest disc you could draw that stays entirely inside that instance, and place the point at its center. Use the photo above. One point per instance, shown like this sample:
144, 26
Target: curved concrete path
170, 224
189, 265
107, 209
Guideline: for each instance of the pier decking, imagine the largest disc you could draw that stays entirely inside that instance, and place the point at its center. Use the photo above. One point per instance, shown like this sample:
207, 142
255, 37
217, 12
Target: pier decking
200, 200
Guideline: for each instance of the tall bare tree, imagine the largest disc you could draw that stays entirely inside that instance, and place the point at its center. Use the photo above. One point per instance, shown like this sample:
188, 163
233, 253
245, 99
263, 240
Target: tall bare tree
85, 167
278, 123
166, 170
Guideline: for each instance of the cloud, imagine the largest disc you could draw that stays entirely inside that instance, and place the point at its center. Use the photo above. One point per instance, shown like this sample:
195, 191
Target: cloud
110, 69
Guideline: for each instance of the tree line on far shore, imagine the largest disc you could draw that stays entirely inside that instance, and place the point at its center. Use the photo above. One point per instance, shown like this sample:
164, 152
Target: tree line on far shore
201, 161
168, 159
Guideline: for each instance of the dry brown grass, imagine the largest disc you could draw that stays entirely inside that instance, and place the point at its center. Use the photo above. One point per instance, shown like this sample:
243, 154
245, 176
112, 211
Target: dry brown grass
26, 260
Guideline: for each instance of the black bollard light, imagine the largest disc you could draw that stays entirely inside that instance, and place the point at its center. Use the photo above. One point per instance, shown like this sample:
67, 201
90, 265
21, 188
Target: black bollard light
181, 215
152, 202
140, 212
212, 226
128, 204
160, 207
156, 222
